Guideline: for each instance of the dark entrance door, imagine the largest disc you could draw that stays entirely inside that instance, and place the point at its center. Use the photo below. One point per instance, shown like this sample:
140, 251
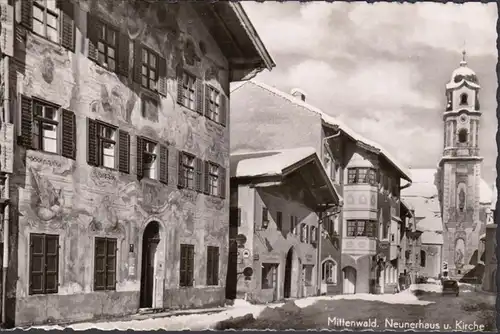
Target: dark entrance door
149, 245
288, 274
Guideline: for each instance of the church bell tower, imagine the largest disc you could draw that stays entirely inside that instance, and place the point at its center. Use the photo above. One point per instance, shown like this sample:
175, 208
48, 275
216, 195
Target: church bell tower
460, 167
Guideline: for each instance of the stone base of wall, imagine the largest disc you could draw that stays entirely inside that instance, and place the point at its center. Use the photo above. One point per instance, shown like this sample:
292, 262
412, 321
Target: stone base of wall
50, 309
194, 297
54, 309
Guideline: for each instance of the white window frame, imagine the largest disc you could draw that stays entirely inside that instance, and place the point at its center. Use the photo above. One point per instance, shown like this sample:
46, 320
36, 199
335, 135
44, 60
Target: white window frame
107, 152
214, 99
213, 179
39, 133
150, 169
42, 5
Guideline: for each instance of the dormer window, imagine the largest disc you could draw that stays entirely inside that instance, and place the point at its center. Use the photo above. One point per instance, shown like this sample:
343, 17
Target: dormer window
463, 99
462, 136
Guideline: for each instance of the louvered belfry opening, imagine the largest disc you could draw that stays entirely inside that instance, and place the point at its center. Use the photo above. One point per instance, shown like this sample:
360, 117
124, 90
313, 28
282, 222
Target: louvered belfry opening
150, 242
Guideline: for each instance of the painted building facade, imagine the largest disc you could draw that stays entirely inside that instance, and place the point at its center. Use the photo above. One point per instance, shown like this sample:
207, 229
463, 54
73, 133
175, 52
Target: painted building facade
118, 196
292, 122
489, 247
408, 262
275, 214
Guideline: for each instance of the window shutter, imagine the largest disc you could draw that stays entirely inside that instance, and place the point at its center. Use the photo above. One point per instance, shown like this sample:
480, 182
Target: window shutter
26, 121
67, 24
190, 265
93, 26
123, 55
137, 61
199, 96
27, 14
180, 170
110, 264
68, 134
37, 264
209, 265
207, 100
180, 87
182, 266
123, 151
223, 109
100, 264
51, 263
140, 155
162, 76
92, 142
222, 182
206, 178
215, 269
199, 173
163, 164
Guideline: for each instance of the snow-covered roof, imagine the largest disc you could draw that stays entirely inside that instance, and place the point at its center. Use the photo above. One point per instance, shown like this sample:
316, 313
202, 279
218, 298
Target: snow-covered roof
482, 236
424, 185
267, 163
429, 237
461, 75
431, 223
330, 120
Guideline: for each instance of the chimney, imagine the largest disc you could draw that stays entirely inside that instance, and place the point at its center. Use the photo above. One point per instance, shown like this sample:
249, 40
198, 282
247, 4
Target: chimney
298, 93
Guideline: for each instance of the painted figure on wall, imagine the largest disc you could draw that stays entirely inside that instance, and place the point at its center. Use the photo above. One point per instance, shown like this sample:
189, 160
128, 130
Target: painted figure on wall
459, 252
47, 202
461, 196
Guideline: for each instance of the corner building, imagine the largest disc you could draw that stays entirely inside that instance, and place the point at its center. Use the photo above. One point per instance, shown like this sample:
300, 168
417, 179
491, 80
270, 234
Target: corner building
121, 154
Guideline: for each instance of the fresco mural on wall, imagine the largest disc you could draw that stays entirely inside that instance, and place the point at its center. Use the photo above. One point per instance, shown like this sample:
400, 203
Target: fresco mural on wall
113, 104
47, 201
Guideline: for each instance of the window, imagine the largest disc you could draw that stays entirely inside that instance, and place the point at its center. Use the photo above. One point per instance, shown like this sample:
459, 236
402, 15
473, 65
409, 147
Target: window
188, 97
149, 69
213, 179
107, 47
44, 263
268, 277
107, 146
463, 99
45, 125
361, 228
329, 272
392, 237
265, 217
105, 264
462, 136
304, 229
212, 265
186, 265
46, 19
361, 176
332, 226
149, 162
308, 271
279, 220
422, 258
293, 224
314, 235
213, 98
188, 170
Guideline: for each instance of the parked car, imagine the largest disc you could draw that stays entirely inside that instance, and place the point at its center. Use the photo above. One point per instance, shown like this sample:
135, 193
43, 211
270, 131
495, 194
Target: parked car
450, 287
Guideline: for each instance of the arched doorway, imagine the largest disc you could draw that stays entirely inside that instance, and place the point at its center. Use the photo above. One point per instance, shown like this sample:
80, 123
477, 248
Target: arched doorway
150, 242
349, 283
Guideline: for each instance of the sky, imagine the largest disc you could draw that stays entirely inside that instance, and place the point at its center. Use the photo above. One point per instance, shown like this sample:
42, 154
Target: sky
382, 68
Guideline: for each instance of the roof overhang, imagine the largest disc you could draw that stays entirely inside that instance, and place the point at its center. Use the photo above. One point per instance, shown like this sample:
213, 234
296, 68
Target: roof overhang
307, 174
234, 33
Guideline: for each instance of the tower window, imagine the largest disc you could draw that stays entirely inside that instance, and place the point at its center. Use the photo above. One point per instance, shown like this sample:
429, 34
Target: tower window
463, 99
462, 136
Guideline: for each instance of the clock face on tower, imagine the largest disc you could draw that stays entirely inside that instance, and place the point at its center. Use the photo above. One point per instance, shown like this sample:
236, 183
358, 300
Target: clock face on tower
463, 119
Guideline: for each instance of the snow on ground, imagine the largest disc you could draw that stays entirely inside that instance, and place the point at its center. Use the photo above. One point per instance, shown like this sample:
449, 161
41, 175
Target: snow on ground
240, 308
426, 287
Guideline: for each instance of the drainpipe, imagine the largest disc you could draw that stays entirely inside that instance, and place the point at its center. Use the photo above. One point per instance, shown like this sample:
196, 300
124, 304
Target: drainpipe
5, 261
324, 140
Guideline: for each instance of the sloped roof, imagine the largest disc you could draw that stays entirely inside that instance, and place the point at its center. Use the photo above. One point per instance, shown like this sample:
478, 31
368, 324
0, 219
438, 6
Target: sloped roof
267, 163
429, 237
431, 223
332, 121
423, 185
